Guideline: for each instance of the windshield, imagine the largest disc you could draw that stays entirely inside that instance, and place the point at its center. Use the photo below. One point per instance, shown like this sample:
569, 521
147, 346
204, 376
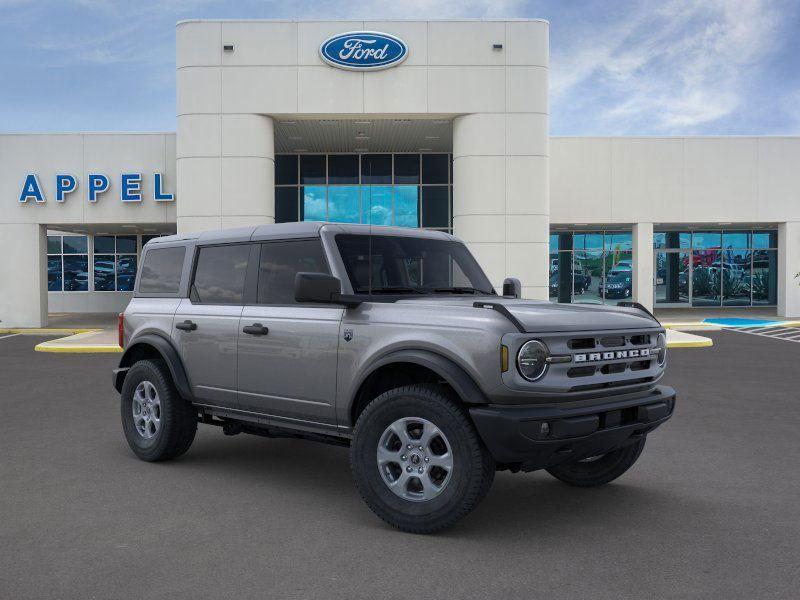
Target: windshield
410, 265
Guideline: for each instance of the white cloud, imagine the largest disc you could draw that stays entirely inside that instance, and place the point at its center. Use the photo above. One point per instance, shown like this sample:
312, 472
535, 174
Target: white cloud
670, 68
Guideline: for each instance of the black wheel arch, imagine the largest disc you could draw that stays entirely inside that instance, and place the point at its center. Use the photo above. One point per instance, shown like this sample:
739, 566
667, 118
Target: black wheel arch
153, 345
461, 382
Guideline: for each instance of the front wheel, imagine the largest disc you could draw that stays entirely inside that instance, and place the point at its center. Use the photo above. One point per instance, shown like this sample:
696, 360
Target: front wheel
418, 461
598, 470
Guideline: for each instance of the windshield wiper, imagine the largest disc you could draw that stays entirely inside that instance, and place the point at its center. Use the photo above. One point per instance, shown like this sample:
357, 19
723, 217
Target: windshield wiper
392, 289
460, 290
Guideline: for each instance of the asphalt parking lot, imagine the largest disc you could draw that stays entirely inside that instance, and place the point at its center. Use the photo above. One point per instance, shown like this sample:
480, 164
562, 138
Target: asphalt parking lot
711, 510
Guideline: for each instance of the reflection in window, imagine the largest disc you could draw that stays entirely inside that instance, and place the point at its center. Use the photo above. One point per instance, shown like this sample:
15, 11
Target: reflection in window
76, 273
67, 263
126, 272
407, 190
114, 263
672, 277
343, 204
54, 276
406, 205
314, 203
104, 272
719, 268
601, 267
376, 205
765, 277
219, 275
280, 263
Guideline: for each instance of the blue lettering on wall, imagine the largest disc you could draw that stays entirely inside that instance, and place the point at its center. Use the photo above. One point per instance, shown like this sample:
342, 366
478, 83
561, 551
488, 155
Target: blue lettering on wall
131, 188
65, 184
158, 195
363, 50
98, 183
31, 190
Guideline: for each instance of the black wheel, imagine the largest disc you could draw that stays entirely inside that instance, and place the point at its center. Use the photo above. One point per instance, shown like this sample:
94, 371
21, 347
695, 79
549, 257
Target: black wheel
418, 461
598, 470
158, 423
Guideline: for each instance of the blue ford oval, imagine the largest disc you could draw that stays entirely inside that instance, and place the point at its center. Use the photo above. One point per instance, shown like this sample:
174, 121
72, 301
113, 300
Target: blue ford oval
363, 50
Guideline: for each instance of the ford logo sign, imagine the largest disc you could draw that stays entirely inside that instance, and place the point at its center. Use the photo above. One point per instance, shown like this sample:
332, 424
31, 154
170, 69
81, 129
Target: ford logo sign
363, 50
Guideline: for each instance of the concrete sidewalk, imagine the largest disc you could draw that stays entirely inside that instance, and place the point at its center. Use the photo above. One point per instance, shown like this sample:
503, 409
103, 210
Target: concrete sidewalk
89, 342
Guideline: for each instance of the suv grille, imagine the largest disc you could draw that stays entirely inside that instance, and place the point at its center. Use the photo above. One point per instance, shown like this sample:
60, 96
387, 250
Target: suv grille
607, 359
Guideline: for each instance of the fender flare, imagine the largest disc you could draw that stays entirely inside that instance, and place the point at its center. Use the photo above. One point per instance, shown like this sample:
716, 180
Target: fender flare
168, 353
461, 382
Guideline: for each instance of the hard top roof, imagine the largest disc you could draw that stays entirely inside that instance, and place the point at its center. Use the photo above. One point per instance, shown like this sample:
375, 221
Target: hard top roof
302, 229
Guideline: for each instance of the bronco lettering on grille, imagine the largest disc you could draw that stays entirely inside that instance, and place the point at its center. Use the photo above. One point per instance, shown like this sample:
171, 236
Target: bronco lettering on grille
615, 355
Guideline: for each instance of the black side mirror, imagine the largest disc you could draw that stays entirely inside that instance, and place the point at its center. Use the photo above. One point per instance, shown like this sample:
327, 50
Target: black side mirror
320, 288
512, 287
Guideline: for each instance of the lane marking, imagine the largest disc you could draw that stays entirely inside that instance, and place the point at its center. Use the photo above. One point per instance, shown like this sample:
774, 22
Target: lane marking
2, 337
789, 334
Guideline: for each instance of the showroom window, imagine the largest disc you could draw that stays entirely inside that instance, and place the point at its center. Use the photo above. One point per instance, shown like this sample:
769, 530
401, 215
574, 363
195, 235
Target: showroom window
67, 263
114, 263
716, 267
407, 190
100, 263
591, 266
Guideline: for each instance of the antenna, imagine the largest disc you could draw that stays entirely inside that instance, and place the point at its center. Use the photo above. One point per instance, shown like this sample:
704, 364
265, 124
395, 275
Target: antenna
369, 242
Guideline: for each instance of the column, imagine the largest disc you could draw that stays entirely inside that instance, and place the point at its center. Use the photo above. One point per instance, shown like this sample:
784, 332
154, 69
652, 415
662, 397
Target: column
226, 171
788, 267
643, 264
501, 204
23, 269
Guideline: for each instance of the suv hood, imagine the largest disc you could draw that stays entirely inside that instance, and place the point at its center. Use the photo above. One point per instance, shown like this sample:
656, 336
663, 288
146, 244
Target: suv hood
541, 316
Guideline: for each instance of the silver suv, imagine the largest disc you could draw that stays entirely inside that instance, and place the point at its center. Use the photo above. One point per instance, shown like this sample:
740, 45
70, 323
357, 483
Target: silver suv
390, 341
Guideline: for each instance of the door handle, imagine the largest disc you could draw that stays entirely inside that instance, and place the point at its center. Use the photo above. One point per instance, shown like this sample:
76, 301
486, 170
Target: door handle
255, 329
187, 325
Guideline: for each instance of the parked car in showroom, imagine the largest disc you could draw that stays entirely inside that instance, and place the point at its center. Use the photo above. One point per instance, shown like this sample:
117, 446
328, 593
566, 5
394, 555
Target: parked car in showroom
391, 341
617, 285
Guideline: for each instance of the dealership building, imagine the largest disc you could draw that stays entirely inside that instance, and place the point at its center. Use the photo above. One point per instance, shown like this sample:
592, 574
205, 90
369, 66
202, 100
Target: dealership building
433, 124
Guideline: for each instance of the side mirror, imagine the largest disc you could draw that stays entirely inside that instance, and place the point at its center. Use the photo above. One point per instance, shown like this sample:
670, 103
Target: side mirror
320, 288
512, 287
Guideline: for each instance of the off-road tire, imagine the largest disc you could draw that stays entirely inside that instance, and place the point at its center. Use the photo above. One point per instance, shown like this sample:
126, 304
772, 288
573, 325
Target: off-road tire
178, 418
601, 470
473, 466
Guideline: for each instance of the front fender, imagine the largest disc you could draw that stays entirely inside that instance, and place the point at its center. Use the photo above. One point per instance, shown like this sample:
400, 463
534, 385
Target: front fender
165, 350
454, 375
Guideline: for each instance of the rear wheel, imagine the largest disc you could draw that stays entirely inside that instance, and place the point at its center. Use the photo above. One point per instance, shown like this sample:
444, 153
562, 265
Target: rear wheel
599, 470
418, 461
158, 423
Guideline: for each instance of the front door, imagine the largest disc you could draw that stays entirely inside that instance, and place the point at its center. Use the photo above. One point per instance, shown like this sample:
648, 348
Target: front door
288, 351
206, 325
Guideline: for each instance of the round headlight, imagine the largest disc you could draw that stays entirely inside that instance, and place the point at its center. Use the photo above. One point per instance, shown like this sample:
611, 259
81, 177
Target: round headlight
531, 360
662, 349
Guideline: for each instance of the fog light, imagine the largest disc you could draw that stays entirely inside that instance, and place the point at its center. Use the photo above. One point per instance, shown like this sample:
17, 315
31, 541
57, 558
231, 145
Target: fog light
545, 428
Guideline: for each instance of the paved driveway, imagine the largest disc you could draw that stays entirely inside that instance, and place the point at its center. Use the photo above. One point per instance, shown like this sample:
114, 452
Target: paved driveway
712, 510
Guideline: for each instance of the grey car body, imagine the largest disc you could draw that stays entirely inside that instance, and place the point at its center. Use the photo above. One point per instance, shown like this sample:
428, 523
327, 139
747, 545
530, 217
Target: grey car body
313, 367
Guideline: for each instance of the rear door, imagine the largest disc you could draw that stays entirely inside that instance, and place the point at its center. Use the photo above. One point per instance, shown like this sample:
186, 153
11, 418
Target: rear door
288, 351
206, 325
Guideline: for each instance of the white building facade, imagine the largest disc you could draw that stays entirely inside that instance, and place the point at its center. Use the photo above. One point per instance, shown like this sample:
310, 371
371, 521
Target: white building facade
445, 126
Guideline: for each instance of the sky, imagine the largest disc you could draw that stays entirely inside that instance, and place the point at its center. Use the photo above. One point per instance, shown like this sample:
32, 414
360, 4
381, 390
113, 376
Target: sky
617, 67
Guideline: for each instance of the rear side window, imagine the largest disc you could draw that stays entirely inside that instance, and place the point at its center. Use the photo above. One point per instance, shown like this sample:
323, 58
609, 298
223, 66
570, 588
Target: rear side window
280, 262
220, 274
161, 271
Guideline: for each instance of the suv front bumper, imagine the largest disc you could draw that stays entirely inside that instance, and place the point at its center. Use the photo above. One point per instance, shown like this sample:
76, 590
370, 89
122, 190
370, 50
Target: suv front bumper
536, 437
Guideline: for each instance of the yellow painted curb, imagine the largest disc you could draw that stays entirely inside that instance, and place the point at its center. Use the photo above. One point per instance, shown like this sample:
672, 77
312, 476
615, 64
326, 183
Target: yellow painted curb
97, 349
704, 343
46, 331
698, 326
